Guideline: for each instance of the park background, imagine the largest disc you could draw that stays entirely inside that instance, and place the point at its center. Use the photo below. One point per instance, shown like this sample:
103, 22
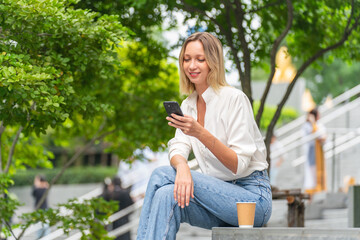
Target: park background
82, 82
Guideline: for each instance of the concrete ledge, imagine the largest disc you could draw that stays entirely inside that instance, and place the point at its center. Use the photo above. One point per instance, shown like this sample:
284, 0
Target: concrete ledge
285, 234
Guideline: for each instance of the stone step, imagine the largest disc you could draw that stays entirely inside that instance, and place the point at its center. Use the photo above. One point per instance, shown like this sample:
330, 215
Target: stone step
193, 233
335, 213
285, 234
332, 223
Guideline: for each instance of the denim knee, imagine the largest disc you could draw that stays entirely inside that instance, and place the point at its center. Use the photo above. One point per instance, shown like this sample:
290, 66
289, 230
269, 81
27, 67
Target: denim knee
164, 193
162, 173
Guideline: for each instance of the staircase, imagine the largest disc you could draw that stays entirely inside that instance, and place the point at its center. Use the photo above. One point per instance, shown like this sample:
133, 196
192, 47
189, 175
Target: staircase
341, 148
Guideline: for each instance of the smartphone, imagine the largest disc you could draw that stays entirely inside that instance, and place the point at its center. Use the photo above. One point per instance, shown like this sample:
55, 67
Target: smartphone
172, 107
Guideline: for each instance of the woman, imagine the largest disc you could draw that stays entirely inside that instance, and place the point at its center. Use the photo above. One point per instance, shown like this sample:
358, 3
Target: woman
314, 167
218, 126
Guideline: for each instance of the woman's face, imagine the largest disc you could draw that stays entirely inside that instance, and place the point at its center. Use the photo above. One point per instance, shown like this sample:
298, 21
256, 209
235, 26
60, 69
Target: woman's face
195, 65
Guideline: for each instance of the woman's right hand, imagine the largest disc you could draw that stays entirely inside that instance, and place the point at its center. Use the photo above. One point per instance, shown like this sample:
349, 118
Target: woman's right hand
184, 186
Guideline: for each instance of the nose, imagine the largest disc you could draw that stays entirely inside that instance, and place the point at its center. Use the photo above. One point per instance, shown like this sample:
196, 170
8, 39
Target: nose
192, 64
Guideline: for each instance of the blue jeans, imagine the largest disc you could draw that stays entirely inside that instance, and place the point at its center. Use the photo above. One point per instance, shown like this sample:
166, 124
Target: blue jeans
214, 204
43, 231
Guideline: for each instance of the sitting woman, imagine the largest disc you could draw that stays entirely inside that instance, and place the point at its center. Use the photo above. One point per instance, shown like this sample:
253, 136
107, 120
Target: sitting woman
219, 127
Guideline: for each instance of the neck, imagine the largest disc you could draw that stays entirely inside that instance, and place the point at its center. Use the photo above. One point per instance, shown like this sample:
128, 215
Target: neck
201, 89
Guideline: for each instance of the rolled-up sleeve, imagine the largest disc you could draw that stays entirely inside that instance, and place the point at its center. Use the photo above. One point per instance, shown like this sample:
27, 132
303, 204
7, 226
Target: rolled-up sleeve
179, 145
240, 131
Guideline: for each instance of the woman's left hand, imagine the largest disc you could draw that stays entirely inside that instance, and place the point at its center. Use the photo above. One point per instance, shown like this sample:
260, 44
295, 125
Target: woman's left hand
187, 124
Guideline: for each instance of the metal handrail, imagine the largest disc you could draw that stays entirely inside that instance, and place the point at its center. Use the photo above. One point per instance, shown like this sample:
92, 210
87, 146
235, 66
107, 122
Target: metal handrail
124, 228
302, 140
322, 109
348, 134
59, 232
329, 153
31, 229
339, 149
331, 116
126, 211
35, 227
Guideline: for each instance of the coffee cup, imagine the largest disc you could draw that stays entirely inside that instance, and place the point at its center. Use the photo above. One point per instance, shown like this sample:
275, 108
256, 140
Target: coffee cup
246, 214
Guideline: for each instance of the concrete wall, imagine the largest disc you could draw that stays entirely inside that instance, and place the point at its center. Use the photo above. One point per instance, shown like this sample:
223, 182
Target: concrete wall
277, 92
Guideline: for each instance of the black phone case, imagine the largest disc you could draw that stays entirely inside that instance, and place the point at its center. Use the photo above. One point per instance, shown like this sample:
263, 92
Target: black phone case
172, 107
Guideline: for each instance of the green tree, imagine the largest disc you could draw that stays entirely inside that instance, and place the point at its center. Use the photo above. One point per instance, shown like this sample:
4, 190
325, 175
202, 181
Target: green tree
74, 73
48, 50
136, 114
331, 79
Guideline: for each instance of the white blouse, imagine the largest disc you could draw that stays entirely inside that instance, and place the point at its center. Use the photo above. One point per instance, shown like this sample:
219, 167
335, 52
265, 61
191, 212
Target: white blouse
229, 117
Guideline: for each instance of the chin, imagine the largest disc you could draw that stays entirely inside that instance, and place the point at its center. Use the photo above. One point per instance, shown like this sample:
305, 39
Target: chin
197, 81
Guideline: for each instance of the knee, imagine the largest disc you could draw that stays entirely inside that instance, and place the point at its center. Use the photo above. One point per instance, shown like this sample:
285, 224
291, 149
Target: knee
166, 190
162, 176
165, 193
163, 171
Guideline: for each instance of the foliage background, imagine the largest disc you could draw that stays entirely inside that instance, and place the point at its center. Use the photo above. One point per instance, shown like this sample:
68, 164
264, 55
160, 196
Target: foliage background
74, 175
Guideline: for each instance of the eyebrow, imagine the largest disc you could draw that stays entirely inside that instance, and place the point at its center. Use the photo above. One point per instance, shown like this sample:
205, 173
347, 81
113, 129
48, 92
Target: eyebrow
198, 55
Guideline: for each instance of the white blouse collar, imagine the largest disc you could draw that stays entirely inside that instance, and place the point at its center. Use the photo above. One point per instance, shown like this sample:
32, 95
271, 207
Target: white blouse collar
208, 95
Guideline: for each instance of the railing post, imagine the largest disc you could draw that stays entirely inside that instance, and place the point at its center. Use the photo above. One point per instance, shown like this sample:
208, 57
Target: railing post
296, 209
333, 163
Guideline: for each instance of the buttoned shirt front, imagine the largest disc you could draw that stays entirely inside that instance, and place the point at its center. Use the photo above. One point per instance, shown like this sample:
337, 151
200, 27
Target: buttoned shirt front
228, 117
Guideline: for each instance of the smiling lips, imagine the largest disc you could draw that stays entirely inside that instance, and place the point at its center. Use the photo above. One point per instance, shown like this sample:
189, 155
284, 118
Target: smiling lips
194, 74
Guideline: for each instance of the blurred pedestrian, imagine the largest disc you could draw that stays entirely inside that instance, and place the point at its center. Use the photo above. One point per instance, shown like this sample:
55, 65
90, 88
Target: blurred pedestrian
122, 196
106, 189
314, 168
39, 188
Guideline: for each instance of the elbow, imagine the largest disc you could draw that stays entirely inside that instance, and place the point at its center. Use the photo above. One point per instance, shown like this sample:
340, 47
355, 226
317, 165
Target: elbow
234, 167
242, 163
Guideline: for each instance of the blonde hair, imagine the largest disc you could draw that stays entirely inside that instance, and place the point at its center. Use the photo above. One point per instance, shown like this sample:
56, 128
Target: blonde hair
214, 58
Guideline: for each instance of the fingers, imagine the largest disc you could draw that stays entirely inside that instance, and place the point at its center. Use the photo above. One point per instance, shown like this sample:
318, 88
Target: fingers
179, 195
182, 194
187, 196
175, 192
192, 190
176, 119
183, 186
186, 123
177, 123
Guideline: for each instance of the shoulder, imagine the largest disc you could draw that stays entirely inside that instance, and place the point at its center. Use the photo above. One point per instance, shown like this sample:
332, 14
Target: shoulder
231, 92
190, 100
233, 96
